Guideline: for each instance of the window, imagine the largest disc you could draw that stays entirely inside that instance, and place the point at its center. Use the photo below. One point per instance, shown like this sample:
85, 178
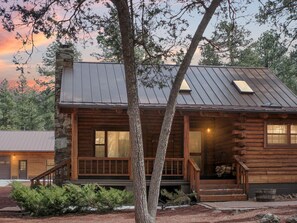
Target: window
281, 134
243, 87
50, 163
112, 144
185, 86
293, 134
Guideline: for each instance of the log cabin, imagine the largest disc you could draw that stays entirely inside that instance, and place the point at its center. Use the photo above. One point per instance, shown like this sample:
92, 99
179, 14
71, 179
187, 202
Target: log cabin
25, 154
239, 119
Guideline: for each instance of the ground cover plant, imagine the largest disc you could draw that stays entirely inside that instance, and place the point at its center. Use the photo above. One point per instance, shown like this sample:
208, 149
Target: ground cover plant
55, 200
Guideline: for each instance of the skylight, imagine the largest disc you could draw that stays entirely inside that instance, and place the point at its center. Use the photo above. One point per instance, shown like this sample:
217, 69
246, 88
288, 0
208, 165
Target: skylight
243, 87
185, 87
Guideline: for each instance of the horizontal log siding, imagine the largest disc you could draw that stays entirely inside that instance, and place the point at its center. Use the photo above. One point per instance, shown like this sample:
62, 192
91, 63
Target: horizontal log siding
267, 165
111, 120
151, 125
88, 123
224, 142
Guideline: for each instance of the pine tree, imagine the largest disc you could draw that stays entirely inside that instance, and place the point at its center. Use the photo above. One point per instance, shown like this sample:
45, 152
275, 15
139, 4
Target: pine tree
27, 112
7, 107
209, 56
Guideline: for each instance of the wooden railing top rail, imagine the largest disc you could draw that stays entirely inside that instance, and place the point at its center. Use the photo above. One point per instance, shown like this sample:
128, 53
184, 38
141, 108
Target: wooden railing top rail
174, 159
194, 164
241, 163
125, 158
53, 169
103, 158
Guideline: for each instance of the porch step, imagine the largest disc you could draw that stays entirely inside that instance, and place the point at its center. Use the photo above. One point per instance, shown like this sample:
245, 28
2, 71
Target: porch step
218, 184
218, 181
224, 197
221, 190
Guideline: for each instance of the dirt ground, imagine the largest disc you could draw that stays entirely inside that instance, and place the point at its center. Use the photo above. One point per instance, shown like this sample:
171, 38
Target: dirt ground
193, 214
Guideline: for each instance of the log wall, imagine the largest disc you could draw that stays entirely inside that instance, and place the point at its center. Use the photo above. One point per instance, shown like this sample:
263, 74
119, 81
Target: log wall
267, 165
111, 120
224, 142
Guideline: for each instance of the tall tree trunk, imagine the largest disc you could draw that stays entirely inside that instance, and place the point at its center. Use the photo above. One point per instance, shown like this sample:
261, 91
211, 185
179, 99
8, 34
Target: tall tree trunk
170, 110
146, 212
137, 156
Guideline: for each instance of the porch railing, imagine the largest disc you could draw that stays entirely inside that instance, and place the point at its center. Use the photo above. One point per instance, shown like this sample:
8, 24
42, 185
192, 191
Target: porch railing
194, 176
102, 166
242, 174
172, 166
97, 166
58, 174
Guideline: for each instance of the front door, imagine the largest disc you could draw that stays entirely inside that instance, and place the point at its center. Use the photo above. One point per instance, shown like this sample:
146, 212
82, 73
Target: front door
195, 148
23, 169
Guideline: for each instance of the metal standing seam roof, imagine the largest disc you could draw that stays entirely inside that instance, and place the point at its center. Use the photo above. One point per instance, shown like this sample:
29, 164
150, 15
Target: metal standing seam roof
102, 85
27, 141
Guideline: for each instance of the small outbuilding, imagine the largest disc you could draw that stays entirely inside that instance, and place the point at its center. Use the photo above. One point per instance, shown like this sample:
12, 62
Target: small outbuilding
25, 154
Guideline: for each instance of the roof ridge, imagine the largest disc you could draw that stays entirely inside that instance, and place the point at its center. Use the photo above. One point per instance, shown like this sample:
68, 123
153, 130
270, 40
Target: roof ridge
176, 65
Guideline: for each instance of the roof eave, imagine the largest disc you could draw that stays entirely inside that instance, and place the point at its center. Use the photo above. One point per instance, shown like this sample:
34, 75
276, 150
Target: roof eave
230, 109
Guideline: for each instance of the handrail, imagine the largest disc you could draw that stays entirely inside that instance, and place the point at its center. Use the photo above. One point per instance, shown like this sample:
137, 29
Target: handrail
194, 176
48, 176
195, 166
242, 174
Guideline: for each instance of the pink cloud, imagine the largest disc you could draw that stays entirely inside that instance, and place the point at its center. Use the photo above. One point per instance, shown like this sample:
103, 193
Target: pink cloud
9, 44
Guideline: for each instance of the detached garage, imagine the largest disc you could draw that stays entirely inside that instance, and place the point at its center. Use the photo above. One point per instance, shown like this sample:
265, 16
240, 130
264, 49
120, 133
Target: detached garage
25, 154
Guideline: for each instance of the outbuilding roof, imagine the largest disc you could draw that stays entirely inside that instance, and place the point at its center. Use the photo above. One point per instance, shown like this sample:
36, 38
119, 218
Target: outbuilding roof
102, 85
27, 141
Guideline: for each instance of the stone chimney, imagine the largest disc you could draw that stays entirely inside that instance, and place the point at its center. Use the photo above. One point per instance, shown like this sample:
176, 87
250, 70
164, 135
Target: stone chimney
64, 59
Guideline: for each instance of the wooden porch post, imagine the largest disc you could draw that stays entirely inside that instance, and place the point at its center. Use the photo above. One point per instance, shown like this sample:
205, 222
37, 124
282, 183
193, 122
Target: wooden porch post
186, 145
74, 146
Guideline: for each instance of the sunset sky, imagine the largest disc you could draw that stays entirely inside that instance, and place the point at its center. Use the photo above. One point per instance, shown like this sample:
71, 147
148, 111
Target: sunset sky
9, 46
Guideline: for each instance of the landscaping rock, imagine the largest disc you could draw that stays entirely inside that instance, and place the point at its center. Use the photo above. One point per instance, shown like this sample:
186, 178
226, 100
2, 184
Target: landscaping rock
292, 219
268, 218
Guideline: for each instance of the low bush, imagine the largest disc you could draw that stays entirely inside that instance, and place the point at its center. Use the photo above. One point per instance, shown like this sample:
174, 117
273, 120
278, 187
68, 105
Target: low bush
178, 197
54, 200
112, 198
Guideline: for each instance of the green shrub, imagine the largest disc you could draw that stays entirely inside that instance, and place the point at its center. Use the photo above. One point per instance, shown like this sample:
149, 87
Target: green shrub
75, 198
178, 197
41, 201
54, 200
110, 199
27, 199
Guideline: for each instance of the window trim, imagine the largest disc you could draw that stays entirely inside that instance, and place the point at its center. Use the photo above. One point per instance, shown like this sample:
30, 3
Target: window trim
287, 145
106, 130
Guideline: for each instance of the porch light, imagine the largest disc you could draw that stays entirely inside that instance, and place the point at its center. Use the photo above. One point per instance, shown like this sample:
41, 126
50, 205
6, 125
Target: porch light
208, 130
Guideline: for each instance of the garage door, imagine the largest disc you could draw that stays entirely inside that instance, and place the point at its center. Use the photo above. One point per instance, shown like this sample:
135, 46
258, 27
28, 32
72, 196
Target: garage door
4, 167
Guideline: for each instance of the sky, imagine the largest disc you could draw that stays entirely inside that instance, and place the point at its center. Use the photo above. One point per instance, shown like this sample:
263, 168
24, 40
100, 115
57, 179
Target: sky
9, 46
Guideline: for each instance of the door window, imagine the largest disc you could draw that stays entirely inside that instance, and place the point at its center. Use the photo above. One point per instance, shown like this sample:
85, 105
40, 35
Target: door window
195, 146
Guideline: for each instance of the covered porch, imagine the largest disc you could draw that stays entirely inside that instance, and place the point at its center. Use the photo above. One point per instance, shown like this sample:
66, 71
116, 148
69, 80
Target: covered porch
198, 143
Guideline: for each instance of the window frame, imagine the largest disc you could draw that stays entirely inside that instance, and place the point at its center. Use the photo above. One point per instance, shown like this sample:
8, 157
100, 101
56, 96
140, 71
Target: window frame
289, 143
106, 130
